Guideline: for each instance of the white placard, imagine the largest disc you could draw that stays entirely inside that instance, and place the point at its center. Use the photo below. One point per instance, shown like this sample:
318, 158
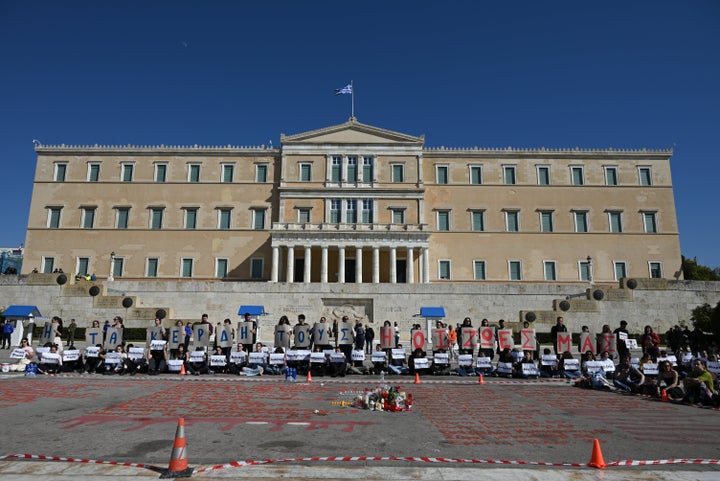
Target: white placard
379, 356
112, 357
338, 357
238, 357
687, 359
197, 356
441, 358
18, 353
357, 355
671, 358
608, 365
136, 353
217, 360
72, 355
650, 369
483, 362
298, 355
398, 354
50, 358
317, 358
157, 345
571, 365
623, 336
548, 360
594, 366
713, 366
257, 357
635, 362
421, 363
631, 343
465, 360
174, 365
41, 350
504, 368
92, 351
529, 369
277, 358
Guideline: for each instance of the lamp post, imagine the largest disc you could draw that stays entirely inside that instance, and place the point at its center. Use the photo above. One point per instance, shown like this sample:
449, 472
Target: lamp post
112, 266
590, 269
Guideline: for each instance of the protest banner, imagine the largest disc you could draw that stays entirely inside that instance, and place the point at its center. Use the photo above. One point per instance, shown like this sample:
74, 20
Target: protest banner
387, 337
322, 332
505, 339
527, 340
301, 335
93, 336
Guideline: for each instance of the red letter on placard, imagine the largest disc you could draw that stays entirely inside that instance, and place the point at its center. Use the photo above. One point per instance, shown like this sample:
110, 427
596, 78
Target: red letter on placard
564, 341
387, 337
528, 339
418, 339
586, 343
469, 338
607, 343
440, 339
487, 337
505, 339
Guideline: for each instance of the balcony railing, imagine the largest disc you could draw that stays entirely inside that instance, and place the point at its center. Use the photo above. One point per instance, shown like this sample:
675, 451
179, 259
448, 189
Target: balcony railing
292, 226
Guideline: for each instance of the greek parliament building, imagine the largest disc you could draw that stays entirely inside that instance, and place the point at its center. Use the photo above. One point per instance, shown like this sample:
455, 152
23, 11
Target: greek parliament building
353, 203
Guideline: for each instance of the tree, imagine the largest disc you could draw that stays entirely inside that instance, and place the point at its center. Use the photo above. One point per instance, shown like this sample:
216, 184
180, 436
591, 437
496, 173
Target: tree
707, 319
692, 271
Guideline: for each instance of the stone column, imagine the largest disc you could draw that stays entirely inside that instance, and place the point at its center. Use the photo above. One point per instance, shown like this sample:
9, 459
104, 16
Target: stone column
376, 265
393, 265
410, 266
275, 267
426, 265
341, 265
324, 265
421, 262
307, 262
358, 265
290, 271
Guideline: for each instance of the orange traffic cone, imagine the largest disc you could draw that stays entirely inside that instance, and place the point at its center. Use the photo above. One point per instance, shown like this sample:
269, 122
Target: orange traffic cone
417, 378
597, 461
309, 378
178, 467
664, 396
182, 369
481, 380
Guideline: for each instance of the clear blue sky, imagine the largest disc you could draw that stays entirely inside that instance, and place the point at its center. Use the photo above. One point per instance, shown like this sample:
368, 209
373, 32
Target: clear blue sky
493, 74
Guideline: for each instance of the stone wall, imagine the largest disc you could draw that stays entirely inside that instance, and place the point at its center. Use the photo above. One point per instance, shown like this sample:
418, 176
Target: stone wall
660, 304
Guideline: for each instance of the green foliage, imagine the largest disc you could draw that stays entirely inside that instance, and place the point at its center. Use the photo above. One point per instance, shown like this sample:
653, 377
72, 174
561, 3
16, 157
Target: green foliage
707, 319
692, 271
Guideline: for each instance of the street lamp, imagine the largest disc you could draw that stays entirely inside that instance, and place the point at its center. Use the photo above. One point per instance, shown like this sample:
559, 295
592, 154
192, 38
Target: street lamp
112, 266
590, 269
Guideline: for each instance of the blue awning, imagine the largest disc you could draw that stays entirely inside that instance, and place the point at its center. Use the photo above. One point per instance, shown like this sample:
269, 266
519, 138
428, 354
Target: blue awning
21, 311
432, 311
252, 310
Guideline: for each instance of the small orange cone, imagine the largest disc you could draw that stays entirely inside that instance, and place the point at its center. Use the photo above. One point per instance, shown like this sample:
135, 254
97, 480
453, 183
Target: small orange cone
597, 461
417, 378
664, 396
481, 380
182, 369
309, 378
178, 467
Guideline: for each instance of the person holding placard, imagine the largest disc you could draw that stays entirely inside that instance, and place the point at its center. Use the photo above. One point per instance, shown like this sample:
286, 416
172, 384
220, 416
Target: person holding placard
198, 362
157, 359
628, 377
50, 362
650, 342
621, 335
548, 364
379, 360
369, 338
526, 368
568, 366
699, 384
135, 361
322, 335
557, 328
337, 363
218, 360
24, 356
423, 365
397, 361
506, 363
238, 360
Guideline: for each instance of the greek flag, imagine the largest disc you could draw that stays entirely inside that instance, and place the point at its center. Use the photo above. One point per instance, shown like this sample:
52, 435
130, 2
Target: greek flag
345, 90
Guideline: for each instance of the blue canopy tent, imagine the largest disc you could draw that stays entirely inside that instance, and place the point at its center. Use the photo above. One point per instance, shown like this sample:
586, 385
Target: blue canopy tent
431, 314
21, 312
21, 315
254, 311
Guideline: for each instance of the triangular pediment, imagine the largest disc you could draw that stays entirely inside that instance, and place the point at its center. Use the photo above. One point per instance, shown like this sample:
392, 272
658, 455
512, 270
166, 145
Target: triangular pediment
352, 132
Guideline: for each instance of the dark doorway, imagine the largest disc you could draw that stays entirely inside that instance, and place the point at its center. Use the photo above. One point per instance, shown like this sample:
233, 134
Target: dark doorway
349, 270
401, 270
299, 270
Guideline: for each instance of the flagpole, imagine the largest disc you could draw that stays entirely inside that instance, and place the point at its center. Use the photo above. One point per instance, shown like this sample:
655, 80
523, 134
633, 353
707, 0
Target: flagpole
352, 100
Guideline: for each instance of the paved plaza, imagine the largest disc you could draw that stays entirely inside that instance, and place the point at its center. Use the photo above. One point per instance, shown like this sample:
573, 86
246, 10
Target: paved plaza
550, 425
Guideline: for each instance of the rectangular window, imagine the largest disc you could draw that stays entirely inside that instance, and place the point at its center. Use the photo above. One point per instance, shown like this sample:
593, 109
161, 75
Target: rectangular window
398, 216
543, 174
118, 265
122, 217
194, 173
191, 218
305, 172
620, 270
645, 176
221, 268
257, 265
228, 171
352, 169
83, 264
261, 173
509, 177
224, 216
584, 267
443, 220
441, 174
93, 172
577, 176
479, 270
546, 221
48, 264
477, 218
351, 211
581, 221
367, 169
444, 270
161, 173
151, 267
367, 211
60, 172
655, 270
88, 217
512, 221
550, 271
186, 268
335, 211
156, 217
54, 217
615, 219
398, 173
303, 215
611, 175
475, 174
335, 168
258, 219
650, 222
515, 270
126, 174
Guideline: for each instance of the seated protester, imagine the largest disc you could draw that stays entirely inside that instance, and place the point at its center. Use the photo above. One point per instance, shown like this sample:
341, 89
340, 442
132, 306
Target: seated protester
627, 377
396, 364
526, 368
319, 364
267, 367
238, 360
483, 364
587, 357
506, 362
28, 355
115, 367
337, 363
465, 365
198, 362
278, 361
699, 384
568, 366
72, 359
357, 364
135, 361
667, 380
95, 359
548, 364
378, 364
157, 361
441, 363
50, 362
218, 360
257, 361
609, 365
418, 354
